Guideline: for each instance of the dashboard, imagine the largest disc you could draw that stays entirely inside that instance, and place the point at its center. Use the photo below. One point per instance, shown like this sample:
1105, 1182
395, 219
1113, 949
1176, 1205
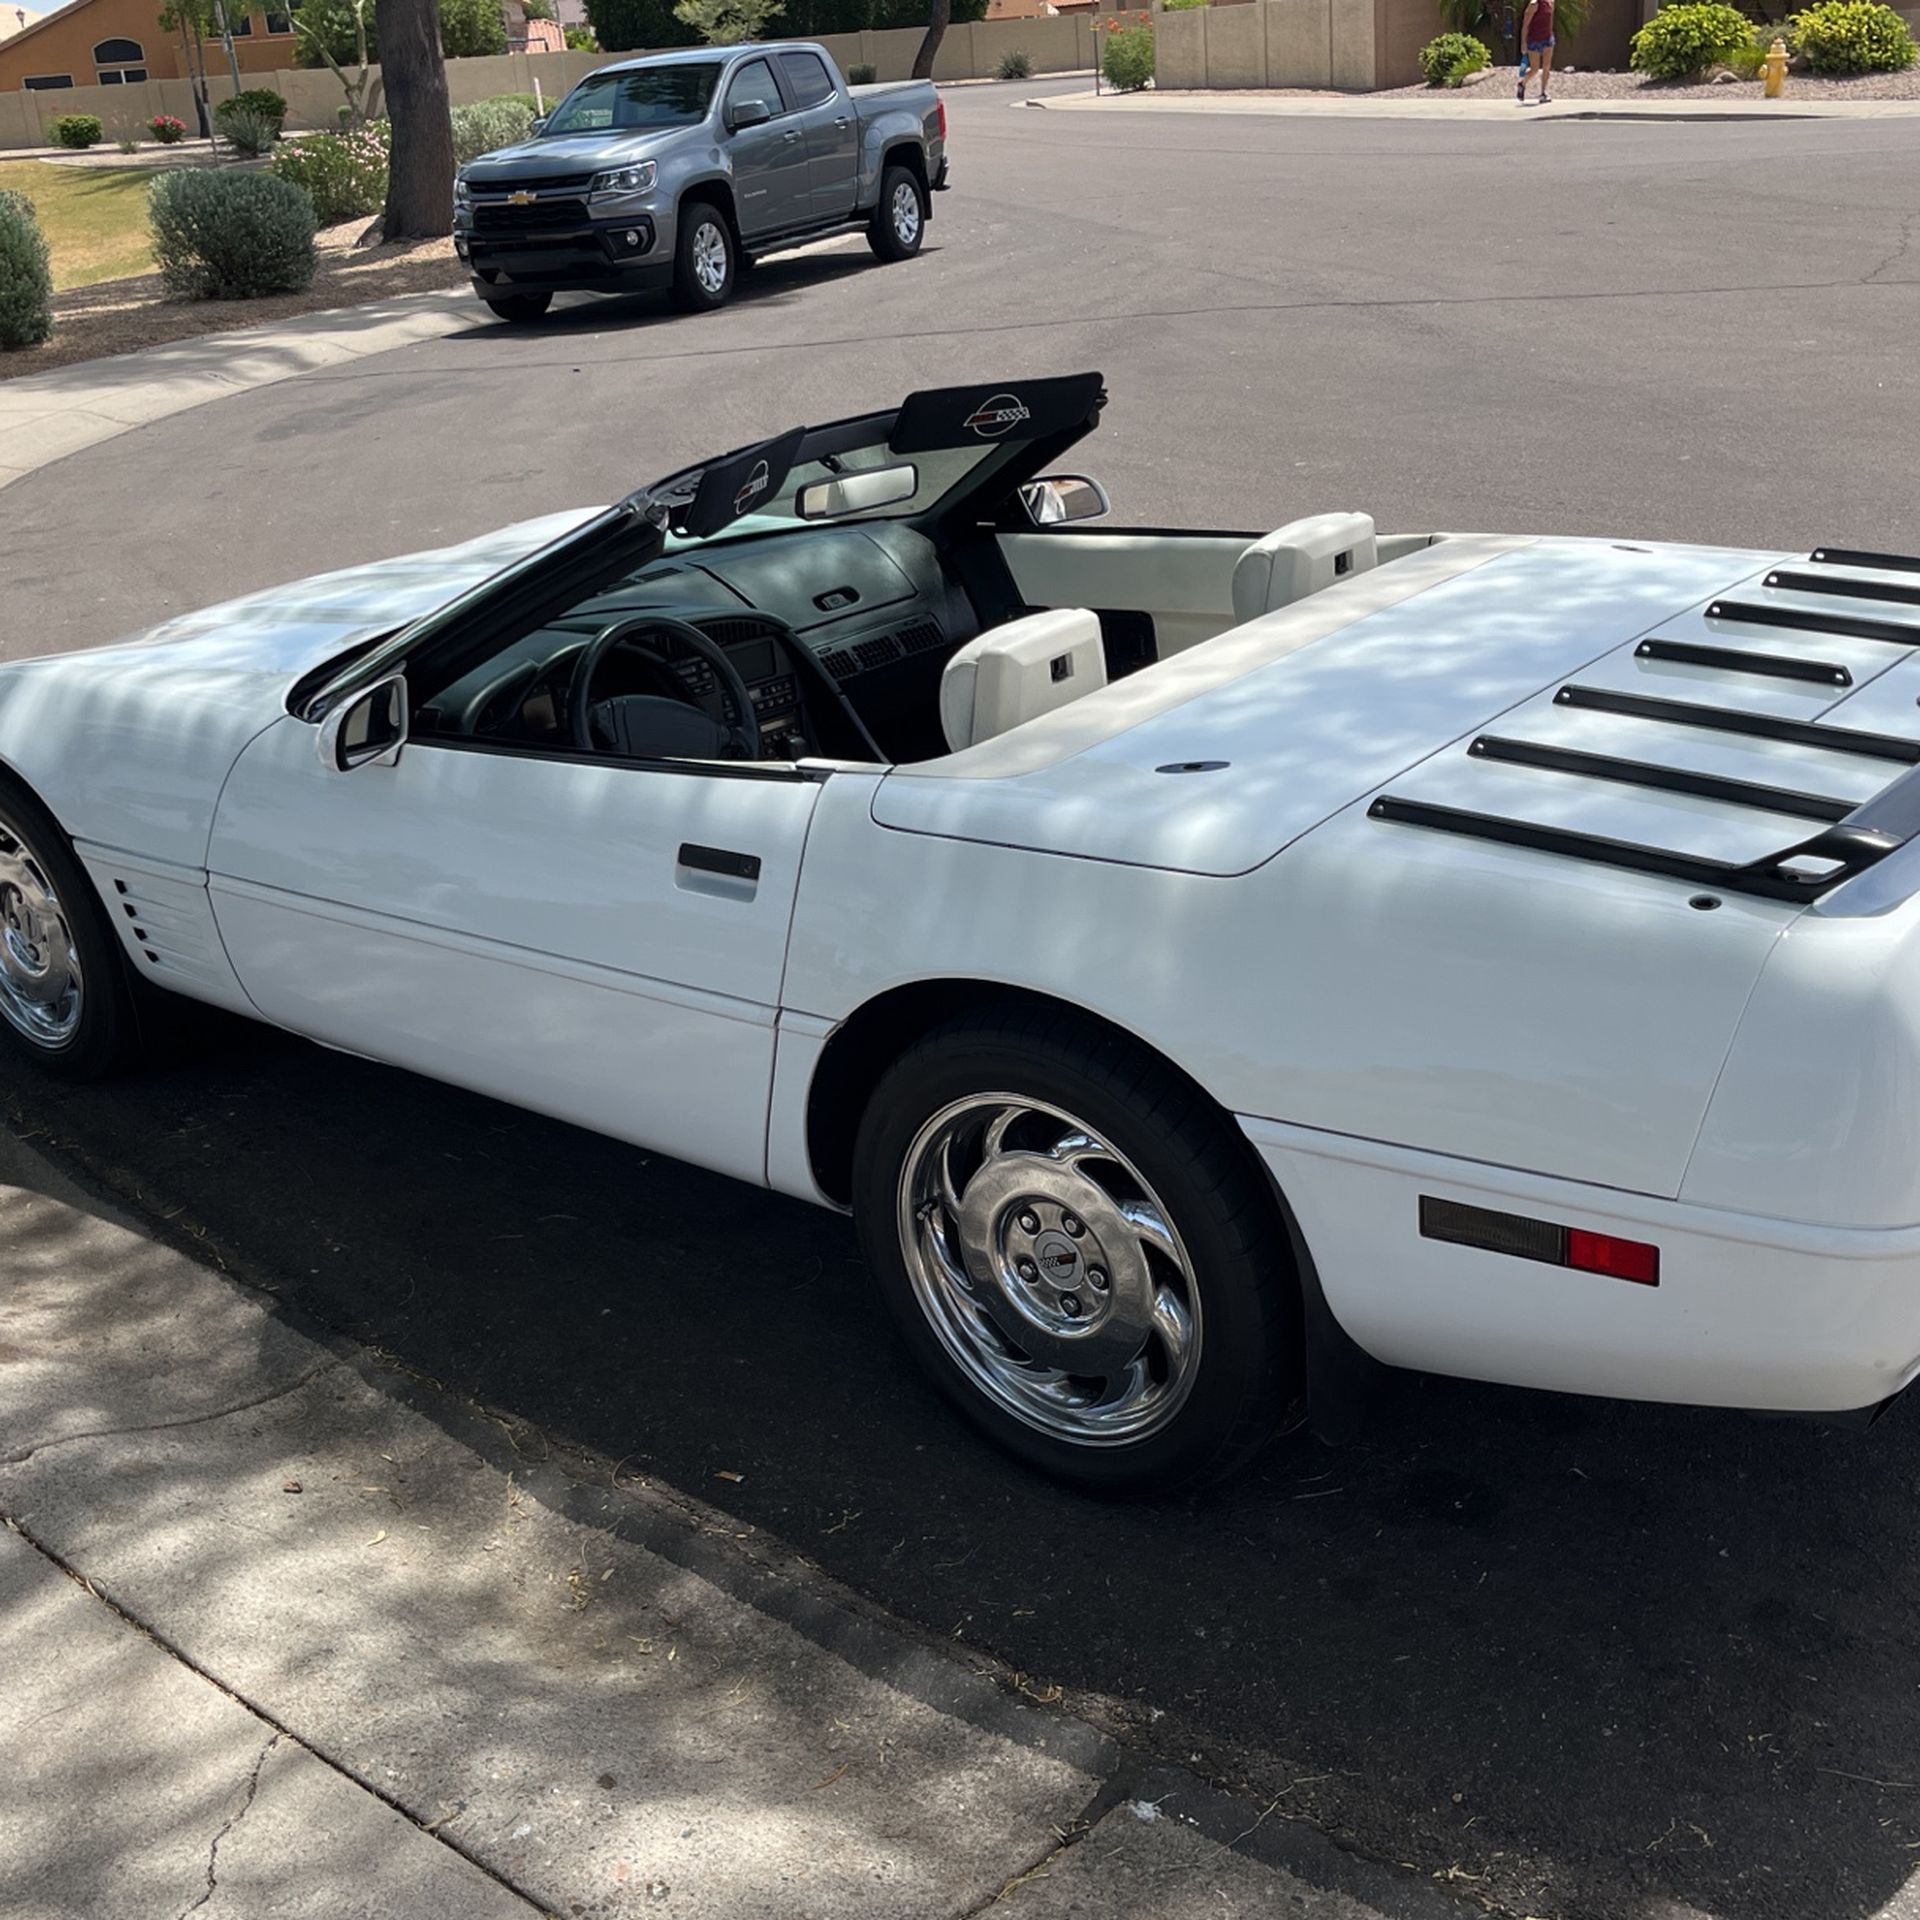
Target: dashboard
840, 634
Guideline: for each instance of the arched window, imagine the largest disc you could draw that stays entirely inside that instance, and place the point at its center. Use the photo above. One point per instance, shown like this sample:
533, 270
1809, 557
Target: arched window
119, 53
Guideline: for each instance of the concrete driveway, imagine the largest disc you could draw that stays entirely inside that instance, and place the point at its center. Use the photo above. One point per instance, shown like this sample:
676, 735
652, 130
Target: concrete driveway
1570, 1657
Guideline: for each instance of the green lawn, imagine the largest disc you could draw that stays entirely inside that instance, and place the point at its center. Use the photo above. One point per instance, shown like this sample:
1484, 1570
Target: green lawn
95, 218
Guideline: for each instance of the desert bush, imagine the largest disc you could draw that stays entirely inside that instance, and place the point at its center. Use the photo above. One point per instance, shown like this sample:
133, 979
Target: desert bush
1448, 58
249, 134
1682, 42
1852, 36
581, 40
344, 174
488, 124
268, 104
231, 236
1014, 66
1748, 60
167, 130
77, 130
26, 279
863, 73
1127, 58
1181, 6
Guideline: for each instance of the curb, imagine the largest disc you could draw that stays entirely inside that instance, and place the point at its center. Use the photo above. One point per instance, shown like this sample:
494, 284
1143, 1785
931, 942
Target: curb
1320, 106
46, 416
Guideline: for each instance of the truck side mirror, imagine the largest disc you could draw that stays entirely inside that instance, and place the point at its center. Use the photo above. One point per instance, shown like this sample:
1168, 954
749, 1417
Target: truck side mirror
748, 113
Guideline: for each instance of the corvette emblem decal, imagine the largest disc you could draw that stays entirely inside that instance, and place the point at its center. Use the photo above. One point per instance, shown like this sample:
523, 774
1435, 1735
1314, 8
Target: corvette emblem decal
757, 482
991, 418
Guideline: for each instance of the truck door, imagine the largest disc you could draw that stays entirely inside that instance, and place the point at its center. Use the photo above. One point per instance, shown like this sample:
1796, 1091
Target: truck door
833, 133
771, 183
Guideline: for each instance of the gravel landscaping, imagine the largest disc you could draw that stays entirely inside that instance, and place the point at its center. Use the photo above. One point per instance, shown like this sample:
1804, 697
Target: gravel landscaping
1583, 85
121, 316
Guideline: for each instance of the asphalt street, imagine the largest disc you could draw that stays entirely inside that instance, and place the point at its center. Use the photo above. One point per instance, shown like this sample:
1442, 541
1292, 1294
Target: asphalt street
1570, 1657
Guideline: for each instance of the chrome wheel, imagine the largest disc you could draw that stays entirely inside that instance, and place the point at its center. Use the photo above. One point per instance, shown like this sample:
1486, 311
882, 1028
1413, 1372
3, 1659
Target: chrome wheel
906, 213
1049, 1270
710, 257
41, 990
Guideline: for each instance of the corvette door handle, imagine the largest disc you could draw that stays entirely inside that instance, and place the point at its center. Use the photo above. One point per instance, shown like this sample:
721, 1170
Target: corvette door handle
839, 119
721, 871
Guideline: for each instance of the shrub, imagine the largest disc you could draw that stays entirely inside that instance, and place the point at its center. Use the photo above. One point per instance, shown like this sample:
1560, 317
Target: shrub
581, 40
230, 236
1014, 66
26, 280
1181, 6
77, 130
1448, 58
470, 28
488, 124
344, 174
249, 134
1682, 42
863, 73
261, 100
1852, 36
1127, 59
1748, 60
167, 130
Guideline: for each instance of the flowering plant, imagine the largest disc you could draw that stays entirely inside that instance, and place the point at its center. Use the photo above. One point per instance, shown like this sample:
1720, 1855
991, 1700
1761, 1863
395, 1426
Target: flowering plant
167, 130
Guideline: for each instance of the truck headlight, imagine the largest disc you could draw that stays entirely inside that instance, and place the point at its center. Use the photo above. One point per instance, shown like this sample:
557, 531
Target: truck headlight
462, 193
635, 179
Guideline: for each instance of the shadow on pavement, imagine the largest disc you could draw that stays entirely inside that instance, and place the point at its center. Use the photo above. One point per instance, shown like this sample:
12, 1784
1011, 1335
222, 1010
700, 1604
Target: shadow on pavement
1575, 1657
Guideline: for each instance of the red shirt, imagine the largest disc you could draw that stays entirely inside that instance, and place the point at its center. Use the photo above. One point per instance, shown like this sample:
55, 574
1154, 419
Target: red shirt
1540, 26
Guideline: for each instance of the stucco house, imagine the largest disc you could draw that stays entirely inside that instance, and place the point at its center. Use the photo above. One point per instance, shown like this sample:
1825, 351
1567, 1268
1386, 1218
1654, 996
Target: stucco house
111, 43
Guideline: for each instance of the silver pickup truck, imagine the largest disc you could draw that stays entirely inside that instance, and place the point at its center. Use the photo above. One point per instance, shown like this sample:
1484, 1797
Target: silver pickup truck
680, 169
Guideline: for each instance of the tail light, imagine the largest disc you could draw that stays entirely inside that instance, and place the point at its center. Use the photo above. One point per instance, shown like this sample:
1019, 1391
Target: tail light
1545, 1240
940, 106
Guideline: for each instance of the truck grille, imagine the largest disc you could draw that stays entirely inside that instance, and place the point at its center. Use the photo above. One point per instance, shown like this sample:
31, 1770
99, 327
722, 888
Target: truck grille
543, 216
545, 183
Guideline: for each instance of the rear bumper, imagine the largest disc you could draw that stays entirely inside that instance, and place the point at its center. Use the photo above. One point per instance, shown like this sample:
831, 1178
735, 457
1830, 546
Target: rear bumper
1749, 1312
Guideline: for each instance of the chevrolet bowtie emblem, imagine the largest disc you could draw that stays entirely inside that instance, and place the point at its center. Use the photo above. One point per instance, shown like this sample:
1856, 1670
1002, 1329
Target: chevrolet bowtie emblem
520, 198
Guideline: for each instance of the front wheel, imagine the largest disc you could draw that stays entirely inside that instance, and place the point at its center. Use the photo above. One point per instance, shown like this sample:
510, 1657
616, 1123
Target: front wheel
899, 222
521, 307
1076, 1245
65, 1001
703, 259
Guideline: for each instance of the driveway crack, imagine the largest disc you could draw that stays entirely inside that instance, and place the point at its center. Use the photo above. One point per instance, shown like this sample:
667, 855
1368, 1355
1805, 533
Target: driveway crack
164, 1426
233, 1820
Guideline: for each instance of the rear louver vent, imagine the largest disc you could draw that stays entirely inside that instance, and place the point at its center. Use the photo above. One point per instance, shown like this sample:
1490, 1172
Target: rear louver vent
877, 652
922, 637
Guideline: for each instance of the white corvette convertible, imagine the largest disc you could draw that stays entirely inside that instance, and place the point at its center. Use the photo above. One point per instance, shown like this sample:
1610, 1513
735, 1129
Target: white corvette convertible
1205, 964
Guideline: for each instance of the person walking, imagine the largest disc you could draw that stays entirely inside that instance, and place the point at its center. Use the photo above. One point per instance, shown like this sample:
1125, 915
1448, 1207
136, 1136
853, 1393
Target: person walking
1536, 38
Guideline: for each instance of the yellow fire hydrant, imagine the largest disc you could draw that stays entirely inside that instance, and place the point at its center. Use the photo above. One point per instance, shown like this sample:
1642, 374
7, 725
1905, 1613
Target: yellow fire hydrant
1774, 66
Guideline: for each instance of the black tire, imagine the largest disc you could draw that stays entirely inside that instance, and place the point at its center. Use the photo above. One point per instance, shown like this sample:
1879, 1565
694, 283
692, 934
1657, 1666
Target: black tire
899, 222
105, 1035
1246, 1375
704, 235
520, 308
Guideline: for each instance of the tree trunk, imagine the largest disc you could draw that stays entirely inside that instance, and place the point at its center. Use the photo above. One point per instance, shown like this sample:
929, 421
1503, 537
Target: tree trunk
930, 44
420, 168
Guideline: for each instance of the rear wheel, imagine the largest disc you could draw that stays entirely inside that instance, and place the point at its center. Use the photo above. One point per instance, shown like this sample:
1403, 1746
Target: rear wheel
1076, 1246
65, 1001
899, 222
703, 258
521, 307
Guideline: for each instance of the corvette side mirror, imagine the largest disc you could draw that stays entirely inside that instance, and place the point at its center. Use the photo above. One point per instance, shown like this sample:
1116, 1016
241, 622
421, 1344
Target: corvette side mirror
1067, 496
369, 730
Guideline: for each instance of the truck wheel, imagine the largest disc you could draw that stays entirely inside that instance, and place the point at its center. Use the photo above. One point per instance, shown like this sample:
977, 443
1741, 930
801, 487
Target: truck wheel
521, 307
65, 1001
899, 222
1078, 1247
703, 258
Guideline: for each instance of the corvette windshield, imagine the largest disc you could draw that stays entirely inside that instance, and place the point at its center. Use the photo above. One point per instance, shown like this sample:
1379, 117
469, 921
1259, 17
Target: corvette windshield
638, 100
936, 473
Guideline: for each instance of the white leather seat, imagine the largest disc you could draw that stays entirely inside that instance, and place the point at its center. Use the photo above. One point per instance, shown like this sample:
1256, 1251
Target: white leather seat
1301, 558
1014, 673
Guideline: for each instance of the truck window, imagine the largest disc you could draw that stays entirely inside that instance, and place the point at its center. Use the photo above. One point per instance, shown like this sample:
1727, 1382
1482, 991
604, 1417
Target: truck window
665, 96
807, 77
755, 81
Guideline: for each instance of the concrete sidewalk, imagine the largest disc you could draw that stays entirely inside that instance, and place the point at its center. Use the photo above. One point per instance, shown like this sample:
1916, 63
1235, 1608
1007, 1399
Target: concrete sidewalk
290, 1631
45, 416
1447, 105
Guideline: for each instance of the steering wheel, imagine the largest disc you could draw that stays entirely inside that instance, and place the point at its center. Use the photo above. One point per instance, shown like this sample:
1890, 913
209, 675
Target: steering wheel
674, 723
